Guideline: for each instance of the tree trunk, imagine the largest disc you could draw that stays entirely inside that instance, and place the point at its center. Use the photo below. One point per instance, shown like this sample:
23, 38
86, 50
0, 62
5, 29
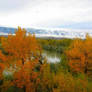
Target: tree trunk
23, 61
24, 89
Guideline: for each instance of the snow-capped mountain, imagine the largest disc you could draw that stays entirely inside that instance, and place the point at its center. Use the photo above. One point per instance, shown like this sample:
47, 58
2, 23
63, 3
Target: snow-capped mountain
45, 32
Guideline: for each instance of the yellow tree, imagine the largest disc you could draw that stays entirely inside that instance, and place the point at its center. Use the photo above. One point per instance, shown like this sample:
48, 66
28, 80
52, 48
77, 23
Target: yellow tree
80, 55
21, 46
22, 53
67, 83
46, 78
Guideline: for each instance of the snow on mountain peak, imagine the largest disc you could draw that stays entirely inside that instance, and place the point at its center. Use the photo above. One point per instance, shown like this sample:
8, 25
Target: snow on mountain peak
51, 32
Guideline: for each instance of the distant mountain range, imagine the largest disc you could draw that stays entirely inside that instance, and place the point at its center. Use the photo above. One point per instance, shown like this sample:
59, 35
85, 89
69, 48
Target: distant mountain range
54, 33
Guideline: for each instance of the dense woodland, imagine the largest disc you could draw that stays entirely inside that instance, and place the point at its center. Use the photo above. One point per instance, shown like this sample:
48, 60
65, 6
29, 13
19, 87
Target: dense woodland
23, 69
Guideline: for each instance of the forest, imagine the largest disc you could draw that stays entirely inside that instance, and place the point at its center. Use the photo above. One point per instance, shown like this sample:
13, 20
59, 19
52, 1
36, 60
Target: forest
24, 69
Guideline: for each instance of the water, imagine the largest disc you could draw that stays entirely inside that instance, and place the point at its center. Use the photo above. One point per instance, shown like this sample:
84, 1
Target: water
52, 56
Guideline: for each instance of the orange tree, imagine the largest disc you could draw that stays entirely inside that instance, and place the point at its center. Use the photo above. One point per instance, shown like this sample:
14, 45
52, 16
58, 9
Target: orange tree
21, 55
80, 55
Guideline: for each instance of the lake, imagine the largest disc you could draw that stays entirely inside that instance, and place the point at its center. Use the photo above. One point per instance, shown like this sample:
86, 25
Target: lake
52, 56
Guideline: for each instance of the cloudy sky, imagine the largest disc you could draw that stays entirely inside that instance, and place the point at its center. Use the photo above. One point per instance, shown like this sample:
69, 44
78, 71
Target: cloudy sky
75, 14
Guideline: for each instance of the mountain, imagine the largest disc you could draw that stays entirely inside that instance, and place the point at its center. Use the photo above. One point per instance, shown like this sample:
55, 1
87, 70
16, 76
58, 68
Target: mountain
6, 30
45, 32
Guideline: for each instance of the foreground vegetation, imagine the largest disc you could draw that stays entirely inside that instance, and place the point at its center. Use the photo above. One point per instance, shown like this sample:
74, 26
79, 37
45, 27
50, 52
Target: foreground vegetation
23, 69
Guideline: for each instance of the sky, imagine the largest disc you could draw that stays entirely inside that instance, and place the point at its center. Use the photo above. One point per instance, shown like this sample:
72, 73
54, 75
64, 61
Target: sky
75, 14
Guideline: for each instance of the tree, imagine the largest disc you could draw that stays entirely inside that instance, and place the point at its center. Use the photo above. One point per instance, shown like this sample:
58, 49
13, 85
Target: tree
80, 55
46, 78
22, 54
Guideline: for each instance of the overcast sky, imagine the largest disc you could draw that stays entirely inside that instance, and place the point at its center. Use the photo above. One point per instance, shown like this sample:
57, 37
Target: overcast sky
46, 13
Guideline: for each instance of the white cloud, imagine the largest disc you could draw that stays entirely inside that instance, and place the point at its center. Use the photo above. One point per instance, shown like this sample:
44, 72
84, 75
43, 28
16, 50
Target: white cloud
47, 13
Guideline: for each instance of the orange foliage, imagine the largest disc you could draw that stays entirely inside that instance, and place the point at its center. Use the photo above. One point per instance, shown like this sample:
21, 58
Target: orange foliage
23, 53
21, 46
80, 55
2, 67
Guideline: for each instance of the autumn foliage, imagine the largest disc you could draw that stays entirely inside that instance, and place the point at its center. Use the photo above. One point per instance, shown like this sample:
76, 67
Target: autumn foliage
21, 52
80, 55
23, 68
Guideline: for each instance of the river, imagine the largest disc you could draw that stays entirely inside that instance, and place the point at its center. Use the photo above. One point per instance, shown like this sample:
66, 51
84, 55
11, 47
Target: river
52, 57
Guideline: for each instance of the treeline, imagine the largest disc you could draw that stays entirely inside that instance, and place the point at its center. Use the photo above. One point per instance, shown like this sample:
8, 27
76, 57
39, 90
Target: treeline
57, 45
22, 68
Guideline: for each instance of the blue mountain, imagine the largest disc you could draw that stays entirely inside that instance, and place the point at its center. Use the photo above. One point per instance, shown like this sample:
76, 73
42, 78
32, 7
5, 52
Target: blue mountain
54, 32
